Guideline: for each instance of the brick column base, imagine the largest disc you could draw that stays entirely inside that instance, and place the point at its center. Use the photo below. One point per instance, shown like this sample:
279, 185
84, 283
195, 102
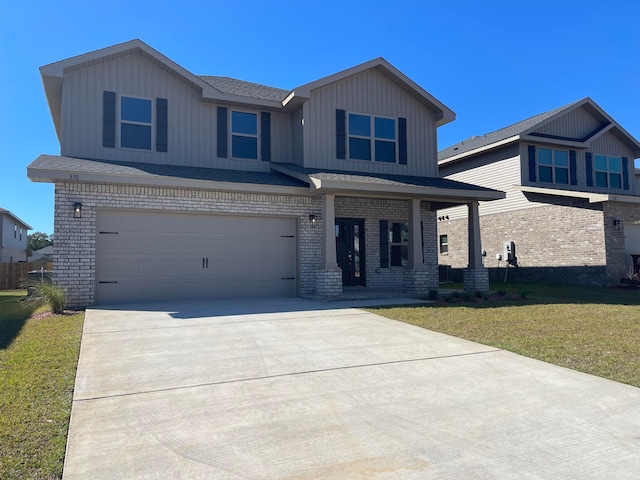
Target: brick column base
476, 280
329, 282
418, 282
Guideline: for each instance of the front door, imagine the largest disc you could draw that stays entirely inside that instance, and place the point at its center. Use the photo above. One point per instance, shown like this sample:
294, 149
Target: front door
350, 250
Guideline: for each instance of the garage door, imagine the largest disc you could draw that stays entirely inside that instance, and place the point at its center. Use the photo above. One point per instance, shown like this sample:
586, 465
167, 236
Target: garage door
145, 256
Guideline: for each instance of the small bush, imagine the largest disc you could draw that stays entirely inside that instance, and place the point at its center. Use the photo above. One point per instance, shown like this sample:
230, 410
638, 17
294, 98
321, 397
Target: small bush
501, 293
433, 294
524, 294
450, 298
43, 293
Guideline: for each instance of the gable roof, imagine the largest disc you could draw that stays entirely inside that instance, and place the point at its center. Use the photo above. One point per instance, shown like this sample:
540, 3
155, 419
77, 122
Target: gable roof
245, 89
5, 212
518, 130
445, 114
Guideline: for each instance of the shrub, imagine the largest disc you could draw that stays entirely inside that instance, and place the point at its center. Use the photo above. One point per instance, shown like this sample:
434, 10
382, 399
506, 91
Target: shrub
433, 294
43, 292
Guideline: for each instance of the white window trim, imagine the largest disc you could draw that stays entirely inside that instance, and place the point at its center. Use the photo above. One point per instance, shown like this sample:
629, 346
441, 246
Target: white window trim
372, 138
553, 165
443, 244
607, 171
131, 122
247, 135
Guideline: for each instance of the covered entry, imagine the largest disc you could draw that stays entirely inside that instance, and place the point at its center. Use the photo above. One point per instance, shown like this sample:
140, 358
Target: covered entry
151, 256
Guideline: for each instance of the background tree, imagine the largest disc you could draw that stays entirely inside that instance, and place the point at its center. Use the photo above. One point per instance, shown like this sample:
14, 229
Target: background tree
38, 240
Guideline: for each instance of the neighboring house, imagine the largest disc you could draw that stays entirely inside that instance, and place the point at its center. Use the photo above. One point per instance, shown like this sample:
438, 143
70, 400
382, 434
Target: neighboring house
43, 255
572, 205
13, 238
176, 186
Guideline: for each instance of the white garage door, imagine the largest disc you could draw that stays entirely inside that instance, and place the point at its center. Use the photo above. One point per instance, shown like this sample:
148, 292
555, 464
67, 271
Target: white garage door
147, 256
632, 239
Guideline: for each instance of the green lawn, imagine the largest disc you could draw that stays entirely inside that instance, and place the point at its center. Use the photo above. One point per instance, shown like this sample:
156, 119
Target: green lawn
590, 329
38, 360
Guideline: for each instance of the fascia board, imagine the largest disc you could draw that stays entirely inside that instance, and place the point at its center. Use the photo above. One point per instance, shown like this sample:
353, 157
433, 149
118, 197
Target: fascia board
403, 190
62, 176
482, 149
16, 219
554, 141
592, 197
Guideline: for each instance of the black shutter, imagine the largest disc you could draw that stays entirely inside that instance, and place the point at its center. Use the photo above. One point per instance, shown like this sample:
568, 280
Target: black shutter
532, 163
573, 168
109, 119
222, 132
384, 244
161, 124
265, 136
341, 134
625, 172
402, 141
589, 165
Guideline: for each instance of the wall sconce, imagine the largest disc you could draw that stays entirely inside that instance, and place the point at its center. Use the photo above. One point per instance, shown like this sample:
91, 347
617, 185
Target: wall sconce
77, 210
313, 220
616, 223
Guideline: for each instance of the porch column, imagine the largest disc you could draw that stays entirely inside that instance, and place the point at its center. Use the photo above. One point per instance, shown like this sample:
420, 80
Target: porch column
476, 277
416, 274
329, 277
415, 235
329, 258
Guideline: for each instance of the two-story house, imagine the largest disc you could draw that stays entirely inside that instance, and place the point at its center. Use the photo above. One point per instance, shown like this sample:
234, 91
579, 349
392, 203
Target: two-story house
572, 205
175, 186
13, 238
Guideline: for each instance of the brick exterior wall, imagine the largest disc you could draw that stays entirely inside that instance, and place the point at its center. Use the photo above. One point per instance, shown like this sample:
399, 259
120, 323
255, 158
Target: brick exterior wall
571, 244
75, 246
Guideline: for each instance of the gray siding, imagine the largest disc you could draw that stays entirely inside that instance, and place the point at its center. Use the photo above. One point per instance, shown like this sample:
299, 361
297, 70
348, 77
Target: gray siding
499, 170
369, 93
576, 124
297, 149
192, 123
13, 249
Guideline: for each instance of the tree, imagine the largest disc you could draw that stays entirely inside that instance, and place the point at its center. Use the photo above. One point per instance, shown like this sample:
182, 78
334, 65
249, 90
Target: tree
38, 240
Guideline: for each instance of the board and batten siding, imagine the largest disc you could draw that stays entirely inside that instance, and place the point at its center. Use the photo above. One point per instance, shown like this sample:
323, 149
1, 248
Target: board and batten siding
192, 139
575, 124
297, 142
369, 93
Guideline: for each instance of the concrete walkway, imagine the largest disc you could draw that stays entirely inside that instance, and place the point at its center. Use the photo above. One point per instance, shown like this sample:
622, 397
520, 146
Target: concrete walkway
294, 389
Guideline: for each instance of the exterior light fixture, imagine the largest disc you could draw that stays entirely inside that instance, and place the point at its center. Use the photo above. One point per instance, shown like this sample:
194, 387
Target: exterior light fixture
313, 220
77, 210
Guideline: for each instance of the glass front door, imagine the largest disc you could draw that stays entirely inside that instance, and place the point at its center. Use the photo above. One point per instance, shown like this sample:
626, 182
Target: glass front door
350, 250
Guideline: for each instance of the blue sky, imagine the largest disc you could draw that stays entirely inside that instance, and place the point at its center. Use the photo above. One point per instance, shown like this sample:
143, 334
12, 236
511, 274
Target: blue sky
492, 62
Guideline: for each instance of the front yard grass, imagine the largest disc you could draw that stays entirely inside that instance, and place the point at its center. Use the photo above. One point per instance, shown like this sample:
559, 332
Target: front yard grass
591, 329
38, 360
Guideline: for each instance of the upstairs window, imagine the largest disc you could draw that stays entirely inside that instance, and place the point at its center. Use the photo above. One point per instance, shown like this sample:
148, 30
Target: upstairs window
608, 171
136, 123
372, 138
553, 166
244, 135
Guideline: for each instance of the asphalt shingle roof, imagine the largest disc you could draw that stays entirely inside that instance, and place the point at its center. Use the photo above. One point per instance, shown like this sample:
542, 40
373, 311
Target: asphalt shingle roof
498, 135
233, 86
384, 179
134, 169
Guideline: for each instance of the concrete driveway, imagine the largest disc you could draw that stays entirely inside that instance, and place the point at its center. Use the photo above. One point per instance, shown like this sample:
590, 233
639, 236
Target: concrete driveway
293, 389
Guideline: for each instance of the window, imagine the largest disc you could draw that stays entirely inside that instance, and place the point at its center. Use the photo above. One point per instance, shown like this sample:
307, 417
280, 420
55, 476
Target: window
366, 132
135, 123
553, 166
608, 171
21, 234
15, 231
444, 244
244, 135
398, 244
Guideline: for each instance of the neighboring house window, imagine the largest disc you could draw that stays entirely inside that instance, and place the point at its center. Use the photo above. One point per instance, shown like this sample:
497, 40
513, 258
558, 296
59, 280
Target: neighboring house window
15, 231
20, 234
244, 135
444, 244
372, 138
135, 123
608, 171
553, 166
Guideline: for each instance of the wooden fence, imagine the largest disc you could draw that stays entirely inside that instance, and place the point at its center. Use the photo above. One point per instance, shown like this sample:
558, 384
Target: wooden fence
14, 275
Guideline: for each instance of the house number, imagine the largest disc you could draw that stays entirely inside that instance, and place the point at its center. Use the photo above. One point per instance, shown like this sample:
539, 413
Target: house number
74, 176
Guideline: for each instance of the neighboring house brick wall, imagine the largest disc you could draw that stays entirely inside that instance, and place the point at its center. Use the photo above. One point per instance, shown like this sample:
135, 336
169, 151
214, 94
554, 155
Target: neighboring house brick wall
548, 242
